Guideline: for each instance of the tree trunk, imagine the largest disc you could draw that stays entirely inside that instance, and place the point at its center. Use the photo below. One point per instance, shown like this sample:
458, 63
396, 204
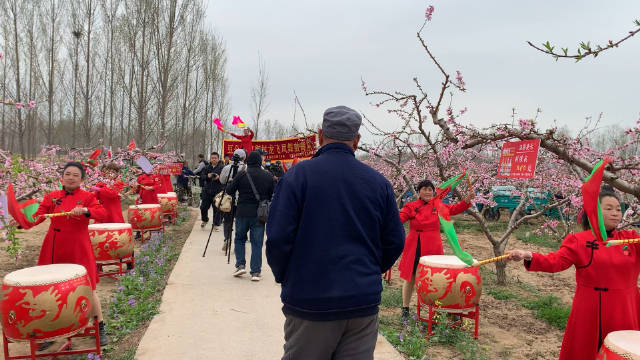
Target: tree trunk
51, 72
501, 266
21, 130
87, 94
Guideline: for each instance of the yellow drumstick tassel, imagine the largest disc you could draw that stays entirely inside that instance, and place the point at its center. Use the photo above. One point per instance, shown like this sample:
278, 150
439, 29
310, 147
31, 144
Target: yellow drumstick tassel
489, 261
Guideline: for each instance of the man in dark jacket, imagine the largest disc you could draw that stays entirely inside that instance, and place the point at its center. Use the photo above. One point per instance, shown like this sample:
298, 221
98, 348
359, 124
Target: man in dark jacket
333, 229
198, 170
247, 184
211, 186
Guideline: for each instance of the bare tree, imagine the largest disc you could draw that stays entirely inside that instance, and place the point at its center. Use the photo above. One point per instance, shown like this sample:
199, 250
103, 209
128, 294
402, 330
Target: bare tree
259, 93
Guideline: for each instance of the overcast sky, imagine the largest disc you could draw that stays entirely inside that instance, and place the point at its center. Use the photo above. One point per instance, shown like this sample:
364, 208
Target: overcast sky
321, 49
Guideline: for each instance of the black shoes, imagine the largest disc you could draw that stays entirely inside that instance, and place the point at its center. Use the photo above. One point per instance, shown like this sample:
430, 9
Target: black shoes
405, 314
104, 339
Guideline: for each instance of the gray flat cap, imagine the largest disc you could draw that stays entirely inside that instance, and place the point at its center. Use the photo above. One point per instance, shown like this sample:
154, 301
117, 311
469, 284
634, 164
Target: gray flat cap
341, 123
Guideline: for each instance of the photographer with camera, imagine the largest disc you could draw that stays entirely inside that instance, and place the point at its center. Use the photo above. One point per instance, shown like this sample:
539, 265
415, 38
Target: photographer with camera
254, 186
227, 175
212, 186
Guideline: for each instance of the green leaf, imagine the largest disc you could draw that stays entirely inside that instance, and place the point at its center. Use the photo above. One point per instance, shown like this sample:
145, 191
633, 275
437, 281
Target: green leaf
585, 46
565, 51
636, 22
548, 46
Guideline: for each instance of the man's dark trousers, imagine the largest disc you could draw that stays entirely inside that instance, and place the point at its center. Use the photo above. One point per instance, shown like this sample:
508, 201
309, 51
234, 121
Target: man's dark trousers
353, 339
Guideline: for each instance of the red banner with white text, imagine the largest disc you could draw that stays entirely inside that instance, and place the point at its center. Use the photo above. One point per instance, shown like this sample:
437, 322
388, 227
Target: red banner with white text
281, 149
518, 159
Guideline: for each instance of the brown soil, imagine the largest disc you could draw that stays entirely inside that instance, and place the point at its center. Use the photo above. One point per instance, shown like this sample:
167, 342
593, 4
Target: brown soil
31, 241
507, 330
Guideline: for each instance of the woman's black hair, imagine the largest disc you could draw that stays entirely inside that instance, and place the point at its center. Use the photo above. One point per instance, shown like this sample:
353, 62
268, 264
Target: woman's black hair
425, 183
605, 191
75, 164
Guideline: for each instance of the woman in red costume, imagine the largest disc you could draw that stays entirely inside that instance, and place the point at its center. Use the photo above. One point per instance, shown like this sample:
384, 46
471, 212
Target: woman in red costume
245, 140
67, 240
109, 196
148, 189
606, 297
424, 236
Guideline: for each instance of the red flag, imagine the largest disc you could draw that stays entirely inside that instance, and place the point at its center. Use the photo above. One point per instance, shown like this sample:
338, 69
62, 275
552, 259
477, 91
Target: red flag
22, 213
132, 145
93, 158
590, 195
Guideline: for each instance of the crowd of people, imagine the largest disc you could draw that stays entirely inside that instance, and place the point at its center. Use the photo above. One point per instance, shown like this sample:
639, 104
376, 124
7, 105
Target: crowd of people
331, 233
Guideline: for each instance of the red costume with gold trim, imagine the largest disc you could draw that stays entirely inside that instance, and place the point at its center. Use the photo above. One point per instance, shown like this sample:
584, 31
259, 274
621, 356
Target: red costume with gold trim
424, 226
109, 198
606, 297
67, 240
148, 196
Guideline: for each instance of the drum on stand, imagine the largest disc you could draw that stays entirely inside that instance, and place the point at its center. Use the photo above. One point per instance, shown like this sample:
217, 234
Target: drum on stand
45, 302
169, 204
445, 284
112, 245
145, 217
111, 241
621, 345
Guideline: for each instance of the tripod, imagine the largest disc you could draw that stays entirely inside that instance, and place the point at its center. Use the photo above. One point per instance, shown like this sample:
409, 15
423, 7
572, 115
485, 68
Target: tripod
232, 173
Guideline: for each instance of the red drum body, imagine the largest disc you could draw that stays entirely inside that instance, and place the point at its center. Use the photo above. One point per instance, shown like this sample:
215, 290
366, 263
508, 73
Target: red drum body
168, 202
145, 217
621, 345
111, 241
446, 282
45, 302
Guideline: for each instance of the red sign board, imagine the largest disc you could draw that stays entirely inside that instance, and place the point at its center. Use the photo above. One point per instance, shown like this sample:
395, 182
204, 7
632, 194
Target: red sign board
518, 159
169, 169
282, 149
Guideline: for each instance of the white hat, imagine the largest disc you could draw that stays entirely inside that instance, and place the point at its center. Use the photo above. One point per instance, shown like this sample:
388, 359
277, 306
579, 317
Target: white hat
241, 153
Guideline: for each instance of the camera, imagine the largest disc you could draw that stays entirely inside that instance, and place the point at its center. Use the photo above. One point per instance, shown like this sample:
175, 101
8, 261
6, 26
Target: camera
235, 158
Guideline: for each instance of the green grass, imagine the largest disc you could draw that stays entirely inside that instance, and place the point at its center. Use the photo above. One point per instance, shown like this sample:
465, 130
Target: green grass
530, 237
391, 297
408, 338
550, 309
501, 294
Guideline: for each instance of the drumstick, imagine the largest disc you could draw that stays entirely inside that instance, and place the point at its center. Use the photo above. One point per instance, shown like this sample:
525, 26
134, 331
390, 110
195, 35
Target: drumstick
491, 260
65, 213
622, 242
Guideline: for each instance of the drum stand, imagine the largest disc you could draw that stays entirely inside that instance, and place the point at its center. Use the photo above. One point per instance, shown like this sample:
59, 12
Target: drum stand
145, 235
470, 313
89, 331
116, 274
169, 218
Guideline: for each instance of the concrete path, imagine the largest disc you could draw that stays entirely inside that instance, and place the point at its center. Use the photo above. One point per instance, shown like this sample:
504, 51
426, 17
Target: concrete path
208, 314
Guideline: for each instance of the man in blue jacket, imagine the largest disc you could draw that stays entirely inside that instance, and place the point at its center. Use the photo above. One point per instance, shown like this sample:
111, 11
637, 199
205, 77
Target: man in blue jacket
333, 229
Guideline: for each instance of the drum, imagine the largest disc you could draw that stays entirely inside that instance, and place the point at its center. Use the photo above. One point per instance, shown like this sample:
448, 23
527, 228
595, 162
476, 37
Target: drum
46, 302
168, 202
145, 217
111, 241
621, 345
446, 282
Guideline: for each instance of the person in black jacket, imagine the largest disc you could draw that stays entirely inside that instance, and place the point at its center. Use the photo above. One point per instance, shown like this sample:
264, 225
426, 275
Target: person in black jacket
333, 228
212, 186
247, 213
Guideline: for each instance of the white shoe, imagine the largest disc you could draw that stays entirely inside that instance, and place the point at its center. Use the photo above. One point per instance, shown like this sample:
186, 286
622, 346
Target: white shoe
256, 277
239, 271
216, 228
